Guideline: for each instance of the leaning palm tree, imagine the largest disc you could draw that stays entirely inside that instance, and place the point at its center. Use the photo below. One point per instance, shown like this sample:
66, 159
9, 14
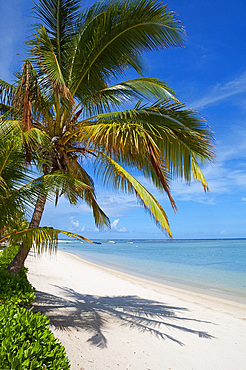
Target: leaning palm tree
68, 90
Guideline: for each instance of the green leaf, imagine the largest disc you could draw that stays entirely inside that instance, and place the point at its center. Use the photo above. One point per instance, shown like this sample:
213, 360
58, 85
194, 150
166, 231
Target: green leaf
119, 178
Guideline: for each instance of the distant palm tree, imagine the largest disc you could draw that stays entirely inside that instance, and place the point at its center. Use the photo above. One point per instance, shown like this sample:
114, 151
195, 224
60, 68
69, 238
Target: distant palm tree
67, 91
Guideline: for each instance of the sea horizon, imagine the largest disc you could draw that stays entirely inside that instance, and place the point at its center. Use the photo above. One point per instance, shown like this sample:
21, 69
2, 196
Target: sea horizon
160, 239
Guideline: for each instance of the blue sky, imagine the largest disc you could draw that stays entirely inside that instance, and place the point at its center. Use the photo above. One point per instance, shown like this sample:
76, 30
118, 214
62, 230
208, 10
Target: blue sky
208, 74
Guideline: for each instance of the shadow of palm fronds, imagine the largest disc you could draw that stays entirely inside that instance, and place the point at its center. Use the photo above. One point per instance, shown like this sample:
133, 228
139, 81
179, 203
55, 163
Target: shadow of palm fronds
91, 313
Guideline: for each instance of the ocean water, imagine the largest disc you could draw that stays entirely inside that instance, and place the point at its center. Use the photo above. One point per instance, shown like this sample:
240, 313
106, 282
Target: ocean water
217, 266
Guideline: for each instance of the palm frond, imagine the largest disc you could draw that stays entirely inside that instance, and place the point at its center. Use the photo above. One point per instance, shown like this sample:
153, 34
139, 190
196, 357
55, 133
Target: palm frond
21, 191
51, 75
3, 185
13, 172
177, 135
40, 238
144, 87
11, 131
12, 165
88, 195
59, 18
198, 175
113, 35
7, 92
112, 97
115, 175
34, 137
48, 185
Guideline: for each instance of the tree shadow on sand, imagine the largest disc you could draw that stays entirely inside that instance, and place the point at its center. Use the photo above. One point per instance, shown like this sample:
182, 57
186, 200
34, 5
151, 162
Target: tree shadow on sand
91, 313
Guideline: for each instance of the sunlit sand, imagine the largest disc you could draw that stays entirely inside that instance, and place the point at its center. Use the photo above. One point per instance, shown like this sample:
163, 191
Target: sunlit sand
110, 320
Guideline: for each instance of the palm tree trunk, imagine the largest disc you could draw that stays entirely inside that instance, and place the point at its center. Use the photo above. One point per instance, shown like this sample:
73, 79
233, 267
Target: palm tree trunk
18, 261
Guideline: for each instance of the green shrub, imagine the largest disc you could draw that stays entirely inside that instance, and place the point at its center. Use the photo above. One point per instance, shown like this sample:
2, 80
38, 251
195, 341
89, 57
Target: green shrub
7, 255
26, 342
14, 289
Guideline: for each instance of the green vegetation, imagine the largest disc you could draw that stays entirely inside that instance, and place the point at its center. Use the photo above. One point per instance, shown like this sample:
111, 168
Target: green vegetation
19, 192
15, 290
26, 342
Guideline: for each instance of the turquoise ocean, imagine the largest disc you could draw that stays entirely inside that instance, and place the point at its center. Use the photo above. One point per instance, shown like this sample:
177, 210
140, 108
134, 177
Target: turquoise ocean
216, 266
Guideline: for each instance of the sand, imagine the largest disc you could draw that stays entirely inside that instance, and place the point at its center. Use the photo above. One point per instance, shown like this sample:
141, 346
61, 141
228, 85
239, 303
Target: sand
110, 320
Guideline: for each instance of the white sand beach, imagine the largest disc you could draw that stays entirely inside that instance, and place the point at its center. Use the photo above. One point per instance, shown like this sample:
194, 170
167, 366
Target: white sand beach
110, 320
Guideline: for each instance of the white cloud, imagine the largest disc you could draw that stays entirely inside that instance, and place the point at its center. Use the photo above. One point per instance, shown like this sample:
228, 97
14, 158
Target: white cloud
114, 227
122, 230
238, 177
115, 224
75, 224
221, 92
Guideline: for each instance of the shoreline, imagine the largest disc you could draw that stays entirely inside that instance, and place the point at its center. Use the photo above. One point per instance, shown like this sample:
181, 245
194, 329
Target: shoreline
205, 291
108, 319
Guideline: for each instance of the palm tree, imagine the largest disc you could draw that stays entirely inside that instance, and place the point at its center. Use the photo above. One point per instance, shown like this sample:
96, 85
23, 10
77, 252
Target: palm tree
68, 91
19, 192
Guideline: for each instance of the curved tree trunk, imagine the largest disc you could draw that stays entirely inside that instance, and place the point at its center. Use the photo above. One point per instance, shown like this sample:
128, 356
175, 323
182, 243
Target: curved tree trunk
18, 261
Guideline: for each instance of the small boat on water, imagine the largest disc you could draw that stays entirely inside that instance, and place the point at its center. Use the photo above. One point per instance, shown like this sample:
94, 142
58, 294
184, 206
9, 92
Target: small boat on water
111, 242
97, 243
130, 242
